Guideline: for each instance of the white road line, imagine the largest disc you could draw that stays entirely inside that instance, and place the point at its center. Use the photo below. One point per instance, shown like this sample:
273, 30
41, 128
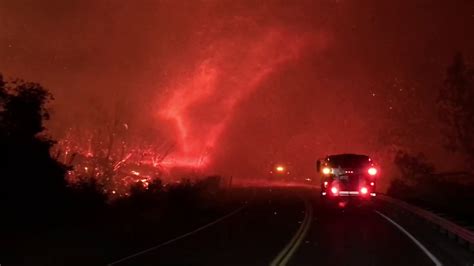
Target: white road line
427, 252
179, 237
285, 255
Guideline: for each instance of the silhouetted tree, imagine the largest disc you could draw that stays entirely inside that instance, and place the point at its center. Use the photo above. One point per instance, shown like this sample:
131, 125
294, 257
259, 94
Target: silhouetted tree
87, 193
29, 176
414, 168
416, 174
456, 105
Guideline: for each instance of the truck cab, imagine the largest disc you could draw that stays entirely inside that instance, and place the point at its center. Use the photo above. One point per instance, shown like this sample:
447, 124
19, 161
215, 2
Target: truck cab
347, 175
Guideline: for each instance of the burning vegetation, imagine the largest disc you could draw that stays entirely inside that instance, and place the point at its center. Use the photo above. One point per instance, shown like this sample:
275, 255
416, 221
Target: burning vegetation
116, 168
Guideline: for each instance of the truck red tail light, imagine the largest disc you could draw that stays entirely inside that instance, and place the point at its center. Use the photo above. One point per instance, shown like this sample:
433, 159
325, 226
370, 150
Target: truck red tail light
372, 184
334, 190
325, 184
372, 171
363, 190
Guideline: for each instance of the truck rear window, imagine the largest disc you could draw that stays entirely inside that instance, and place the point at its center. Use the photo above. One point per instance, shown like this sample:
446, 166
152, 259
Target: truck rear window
348, 161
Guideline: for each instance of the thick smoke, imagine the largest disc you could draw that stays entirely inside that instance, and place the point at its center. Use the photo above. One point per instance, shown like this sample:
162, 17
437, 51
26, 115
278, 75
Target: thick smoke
234, 86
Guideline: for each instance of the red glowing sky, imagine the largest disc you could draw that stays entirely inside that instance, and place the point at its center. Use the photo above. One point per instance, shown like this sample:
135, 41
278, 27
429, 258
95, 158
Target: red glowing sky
201, 104
237, 85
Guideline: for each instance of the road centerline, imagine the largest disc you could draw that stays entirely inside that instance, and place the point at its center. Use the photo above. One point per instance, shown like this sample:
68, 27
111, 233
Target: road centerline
285, 255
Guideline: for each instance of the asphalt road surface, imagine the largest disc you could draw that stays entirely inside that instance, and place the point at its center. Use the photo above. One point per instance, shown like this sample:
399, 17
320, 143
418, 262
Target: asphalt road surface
293, 226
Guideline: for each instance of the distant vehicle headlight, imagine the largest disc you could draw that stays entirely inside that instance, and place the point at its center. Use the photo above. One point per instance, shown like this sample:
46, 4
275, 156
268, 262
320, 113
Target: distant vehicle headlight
280, 168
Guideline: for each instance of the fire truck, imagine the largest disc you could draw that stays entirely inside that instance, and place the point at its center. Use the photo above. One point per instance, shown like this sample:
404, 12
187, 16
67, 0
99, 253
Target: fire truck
345, 176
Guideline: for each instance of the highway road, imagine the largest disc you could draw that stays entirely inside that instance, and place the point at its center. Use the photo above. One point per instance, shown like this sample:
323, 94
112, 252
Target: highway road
292, 226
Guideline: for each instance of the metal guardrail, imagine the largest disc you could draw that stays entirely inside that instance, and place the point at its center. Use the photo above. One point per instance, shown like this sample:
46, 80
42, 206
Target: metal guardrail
460, 232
